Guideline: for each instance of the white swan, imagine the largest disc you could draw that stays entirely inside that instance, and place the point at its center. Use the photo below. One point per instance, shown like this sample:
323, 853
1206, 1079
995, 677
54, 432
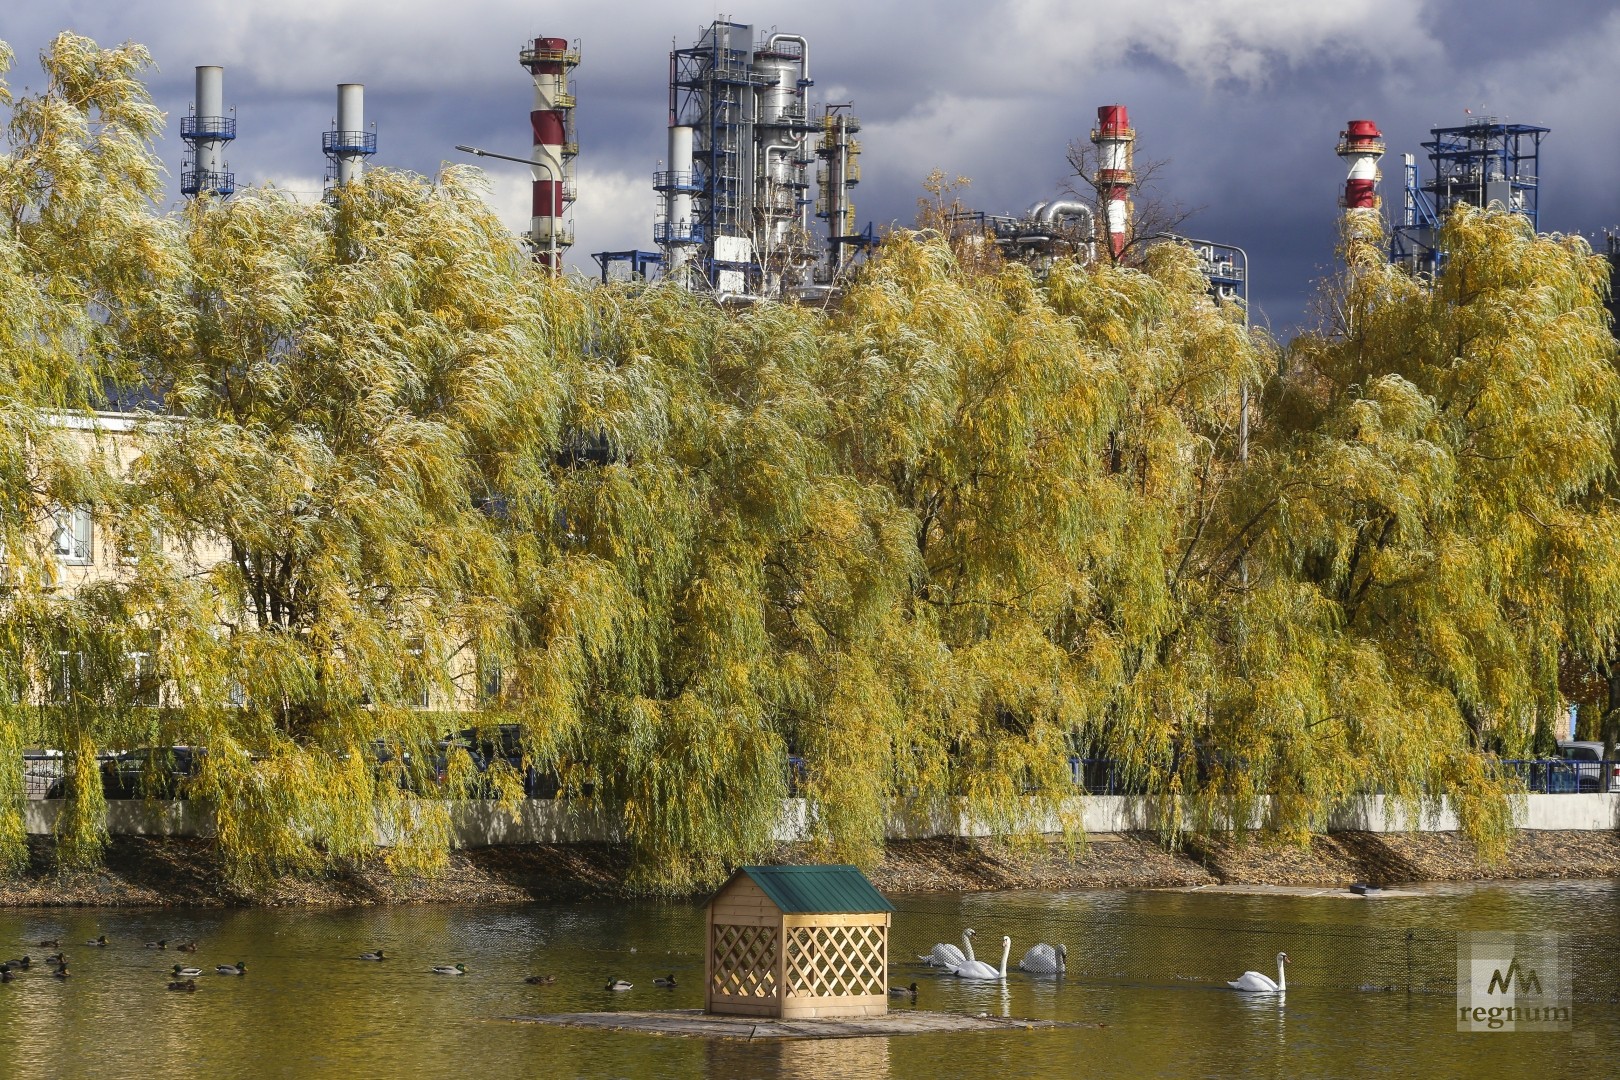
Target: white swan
978, 969
1043, 959
948, 956
1255, 983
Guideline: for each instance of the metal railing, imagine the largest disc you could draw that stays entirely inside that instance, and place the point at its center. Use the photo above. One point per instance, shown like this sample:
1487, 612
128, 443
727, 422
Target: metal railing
207, 128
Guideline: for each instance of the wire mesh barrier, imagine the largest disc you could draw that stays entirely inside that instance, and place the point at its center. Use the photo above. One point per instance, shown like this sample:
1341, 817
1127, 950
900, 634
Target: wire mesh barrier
1108, 943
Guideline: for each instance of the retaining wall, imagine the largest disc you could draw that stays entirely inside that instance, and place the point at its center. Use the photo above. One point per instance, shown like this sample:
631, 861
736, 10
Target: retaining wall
477, 823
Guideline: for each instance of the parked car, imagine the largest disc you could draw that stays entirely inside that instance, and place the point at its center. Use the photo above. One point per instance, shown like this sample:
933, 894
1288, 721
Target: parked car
505, 743
1596, 774
159, 772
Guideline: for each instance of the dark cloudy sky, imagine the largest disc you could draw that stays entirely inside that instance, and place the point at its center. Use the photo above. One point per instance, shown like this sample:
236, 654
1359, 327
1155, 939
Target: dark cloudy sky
1244, 98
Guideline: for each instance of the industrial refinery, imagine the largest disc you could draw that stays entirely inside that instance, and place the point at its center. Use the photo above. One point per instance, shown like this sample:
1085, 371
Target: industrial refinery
755, 189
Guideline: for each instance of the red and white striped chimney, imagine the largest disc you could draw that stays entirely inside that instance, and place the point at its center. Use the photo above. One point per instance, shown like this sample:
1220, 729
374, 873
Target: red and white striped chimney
1114, 139
549, 61
1362, 145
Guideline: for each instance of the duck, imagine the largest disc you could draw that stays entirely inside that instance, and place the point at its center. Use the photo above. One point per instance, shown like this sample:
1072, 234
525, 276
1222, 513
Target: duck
447, 969
62, 972
540, 980
100, 942
161, 943
6, 974
237, 968
904, 991
189, 986
619, 984
190, 946
51, 943
186, 972
23, 962
666, 981
56, 958
378, 955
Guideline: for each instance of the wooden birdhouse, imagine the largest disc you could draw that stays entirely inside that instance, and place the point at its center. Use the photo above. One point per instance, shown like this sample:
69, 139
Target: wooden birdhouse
793, 942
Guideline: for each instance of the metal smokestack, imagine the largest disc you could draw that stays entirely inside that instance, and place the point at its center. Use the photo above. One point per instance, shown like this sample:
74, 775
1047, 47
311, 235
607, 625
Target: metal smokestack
1361, 145
549, 61
206, 131
348, 144
1115, 141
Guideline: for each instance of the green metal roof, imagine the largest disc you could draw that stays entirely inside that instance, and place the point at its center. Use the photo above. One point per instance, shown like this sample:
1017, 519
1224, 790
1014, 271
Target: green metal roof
817, 890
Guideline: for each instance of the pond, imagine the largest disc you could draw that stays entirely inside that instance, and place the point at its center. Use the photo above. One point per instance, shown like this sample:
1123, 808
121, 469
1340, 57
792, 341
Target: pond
1370, 989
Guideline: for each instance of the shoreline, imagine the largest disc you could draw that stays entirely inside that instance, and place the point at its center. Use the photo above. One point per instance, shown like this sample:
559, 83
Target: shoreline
170, 872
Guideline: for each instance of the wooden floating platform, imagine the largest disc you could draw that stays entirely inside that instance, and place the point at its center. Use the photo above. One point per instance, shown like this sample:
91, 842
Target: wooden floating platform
697, 1023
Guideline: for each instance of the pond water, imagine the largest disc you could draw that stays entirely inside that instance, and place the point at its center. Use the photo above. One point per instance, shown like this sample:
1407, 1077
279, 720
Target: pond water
1370, 989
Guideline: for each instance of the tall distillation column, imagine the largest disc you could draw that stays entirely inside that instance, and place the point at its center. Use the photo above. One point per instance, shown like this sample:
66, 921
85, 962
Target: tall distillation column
206, 131
1115, 140
348, 144
675, 231
840, 170
549, 61
781, 73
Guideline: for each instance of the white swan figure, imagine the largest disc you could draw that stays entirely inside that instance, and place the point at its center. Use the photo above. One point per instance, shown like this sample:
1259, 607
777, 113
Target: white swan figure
948, 956
978, 969
1255, 983
1044, 959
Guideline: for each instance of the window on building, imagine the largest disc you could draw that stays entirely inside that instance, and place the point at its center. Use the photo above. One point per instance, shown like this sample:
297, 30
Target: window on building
67, 676
415, 676
145, 685
72, 536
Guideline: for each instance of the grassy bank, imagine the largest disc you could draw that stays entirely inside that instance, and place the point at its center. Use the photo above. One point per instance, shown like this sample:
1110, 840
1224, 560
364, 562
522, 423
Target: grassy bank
142, 871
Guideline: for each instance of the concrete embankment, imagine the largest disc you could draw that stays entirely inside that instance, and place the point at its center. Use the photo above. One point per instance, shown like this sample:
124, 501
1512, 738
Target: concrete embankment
183, 871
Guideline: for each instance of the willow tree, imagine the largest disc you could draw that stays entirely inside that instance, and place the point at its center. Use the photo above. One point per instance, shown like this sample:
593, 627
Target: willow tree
80, 252
1421, 490
329, 374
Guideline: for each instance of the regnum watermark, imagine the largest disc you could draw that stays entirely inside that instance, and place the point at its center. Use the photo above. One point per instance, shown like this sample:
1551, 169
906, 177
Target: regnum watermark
1513, 982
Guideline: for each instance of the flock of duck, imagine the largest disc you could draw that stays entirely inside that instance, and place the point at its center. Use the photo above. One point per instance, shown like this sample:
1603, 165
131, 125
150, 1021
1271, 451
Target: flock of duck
184, 977
1044, 959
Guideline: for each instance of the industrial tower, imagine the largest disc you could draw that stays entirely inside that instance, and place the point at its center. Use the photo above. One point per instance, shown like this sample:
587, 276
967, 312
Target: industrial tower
735, 195
1483, 163
550, 62
348, 144
206, 130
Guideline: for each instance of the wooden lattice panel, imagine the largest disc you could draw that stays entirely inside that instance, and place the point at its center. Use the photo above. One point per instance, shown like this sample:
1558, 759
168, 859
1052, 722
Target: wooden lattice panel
744, 961
835, 961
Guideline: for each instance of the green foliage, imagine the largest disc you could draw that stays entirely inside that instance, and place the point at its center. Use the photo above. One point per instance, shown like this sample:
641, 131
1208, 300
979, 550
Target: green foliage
932, 541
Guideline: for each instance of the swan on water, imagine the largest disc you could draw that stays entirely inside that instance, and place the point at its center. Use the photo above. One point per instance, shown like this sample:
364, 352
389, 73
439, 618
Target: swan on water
978, 969
1044, 959
1255, 983
948, 956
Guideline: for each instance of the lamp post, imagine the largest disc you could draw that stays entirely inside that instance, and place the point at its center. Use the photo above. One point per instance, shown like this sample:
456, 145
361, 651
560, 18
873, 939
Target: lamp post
551, 239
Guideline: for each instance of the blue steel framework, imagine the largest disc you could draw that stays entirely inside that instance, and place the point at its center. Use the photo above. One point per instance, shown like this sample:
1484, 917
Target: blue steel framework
1480, 163
337, 144
195, 129
711, 90
641, 263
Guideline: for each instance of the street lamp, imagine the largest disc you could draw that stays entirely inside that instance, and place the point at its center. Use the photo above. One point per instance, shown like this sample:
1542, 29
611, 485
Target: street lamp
551, 239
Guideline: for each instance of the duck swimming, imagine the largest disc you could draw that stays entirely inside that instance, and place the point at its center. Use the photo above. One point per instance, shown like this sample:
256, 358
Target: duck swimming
237, 968
100, 942
667, 982
378, 955
190, 946
186, 972
162, 943
189, 986
62, 972
619, 984
540, 980
446, 969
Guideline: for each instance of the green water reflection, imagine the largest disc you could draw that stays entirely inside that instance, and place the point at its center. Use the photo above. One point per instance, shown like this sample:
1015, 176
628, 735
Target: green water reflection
1148, 976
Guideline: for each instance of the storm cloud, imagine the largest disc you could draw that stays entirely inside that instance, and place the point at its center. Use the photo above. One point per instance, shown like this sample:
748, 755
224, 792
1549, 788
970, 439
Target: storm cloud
1243, 99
